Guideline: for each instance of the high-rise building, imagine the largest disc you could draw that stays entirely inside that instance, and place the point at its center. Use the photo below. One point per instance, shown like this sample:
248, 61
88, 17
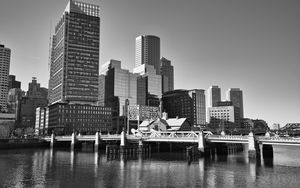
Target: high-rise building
214, 96
120, 84
167, 73
147, 51
149, 89
188, 104
235, 95
4, 71
13, 83
74, 66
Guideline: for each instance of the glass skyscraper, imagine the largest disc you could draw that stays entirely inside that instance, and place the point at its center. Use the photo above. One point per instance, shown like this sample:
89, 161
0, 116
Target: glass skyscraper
74, 66
120, 84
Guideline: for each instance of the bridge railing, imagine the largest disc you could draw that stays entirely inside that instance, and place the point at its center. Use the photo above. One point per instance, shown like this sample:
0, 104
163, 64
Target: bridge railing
170, 134
226, 137
280, 139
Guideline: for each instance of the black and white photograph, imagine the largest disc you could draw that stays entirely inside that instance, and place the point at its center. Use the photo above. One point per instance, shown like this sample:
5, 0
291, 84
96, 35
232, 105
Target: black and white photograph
150, 93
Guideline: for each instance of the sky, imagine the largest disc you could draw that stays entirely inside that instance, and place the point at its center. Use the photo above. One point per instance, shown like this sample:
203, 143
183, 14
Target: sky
253, 45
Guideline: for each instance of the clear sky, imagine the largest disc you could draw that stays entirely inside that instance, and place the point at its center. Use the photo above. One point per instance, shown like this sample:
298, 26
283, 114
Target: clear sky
250, 44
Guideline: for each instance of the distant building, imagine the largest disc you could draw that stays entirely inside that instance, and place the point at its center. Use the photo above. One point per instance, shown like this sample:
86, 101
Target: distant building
14, 101
7, 124
188, 104
167, 73
223, 118
255, 125
117, 85
236, 96
224, 103
147, 51
276, 126
84, 118
214, 96
12, 83
149, 85
36, 96
41, 121
4, 67
141, 112
74, 68
120, 84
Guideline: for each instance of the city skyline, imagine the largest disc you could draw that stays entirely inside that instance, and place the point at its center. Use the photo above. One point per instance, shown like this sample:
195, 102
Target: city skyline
249, 45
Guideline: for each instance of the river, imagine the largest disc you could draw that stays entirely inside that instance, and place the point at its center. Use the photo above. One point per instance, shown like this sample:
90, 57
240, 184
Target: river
85, 168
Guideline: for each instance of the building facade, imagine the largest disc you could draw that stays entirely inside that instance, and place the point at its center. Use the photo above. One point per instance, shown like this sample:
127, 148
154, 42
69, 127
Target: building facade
214, 96
141, 112
188, 104
147, 51
4, 71
74, 66
225, 118
236, 96
41, 121
65, 118
35, 97
13, 83
167, 73
7, 124
120, 84
149, 85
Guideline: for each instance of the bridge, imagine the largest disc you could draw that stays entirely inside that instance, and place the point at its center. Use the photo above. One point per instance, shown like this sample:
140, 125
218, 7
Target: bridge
201, 138
179, 137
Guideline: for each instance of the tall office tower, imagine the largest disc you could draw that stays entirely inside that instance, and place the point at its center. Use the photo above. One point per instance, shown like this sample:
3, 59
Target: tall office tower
74, 66
188, 104
147, 51
167, 73
4, 71
214, 96
120, 84
236, 96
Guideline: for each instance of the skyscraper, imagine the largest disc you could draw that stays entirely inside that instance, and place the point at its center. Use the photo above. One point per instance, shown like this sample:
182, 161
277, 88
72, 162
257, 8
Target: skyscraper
214, 96
167, 73
74, 66
120, 84
236, 96
149, 90
147, 51
4, 71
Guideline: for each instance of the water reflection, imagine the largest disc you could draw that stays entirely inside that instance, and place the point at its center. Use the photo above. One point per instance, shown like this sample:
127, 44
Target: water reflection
65, 168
